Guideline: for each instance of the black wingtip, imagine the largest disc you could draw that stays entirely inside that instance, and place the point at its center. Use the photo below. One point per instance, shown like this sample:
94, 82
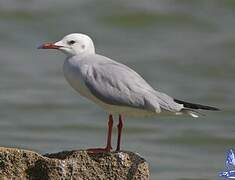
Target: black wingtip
214, 109
196, 106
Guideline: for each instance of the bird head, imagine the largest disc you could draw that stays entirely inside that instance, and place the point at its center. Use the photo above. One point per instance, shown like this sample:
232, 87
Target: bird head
72, 45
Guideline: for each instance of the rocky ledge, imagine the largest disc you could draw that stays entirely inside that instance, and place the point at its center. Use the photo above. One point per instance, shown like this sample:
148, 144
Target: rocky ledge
71, 165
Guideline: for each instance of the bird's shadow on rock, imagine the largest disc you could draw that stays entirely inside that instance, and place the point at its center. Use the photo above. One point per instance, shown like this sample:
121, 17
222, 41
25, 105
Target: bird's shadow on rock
38, 171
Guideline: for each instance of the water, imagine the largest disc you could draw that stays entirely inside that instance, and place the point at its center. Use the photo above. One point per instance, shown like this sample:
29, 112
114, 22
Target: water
184, 48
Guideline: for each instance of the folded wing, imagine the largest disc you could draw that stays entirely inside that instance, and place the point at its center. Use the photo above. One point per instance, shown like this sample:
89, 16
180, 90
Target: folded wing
117, 84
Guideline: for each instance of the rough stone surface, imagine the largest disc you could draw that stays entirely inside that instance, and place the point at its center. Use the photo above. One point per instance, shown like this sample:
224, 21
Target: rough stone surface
71, 165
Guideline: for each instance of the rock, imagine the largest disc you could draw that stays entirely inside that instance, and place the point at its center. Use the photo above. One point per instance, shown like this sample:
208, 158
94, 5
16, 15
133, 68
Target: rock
71, 165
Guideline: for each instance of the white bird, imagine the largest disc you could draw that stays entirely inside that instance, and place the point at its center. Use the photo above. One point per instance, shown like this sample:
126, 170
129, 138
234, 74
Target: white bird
114, 86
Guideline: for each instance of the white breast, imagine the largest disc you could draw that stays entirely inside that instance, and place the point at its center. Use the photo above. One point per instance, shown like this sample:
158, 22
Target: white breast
72, 73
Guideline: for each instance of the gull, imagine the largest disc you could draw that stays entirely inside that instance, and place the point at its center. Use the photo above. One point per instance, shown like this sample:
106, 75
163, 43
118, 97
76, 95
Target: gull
115, 87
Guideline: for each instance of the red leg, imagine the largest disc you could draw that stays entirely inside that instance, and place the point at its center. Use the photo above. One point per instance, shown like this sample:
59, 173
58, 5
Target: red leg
119, 126
109, 139
110, 129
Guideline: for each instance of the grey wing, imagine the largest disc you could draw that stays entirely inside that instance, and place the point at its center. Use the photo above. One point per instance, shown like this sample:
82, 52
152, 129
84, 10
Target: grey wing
116, 84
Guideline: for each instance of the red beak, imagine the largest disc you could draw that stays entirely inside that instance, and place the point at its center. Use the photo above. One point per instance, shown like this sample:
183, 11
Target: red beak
49, 46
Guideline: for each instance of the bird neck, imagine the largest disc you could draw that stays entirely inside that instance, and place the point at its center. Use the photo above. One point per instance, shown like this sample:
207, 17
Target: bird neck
80, 55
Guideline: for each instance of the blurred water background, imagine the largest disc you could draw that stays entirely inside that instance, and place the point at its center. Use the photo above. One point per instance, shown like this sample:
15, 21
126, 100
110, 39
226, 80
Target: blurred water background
185, 48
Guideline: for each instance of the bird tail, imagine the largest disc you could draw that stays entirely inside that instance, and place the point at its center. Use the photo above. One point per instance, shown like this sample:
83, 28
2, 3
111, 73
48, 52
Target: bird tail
191, 112
189, 108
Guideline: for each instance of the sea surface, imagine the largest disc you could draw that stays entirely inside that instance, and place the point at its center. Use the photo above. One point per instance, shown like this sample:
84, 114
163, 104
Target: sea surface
185, 48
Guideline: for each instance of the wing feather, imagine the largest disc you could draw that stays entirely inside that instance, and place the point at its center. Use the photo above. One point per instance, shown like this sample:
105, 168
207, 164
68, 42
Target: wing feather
117, 84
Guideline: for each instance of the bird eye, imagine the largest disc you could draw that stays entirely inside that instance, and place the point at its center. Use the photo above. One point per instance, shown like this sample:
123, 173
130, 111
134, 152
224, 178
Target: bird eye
71, 42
